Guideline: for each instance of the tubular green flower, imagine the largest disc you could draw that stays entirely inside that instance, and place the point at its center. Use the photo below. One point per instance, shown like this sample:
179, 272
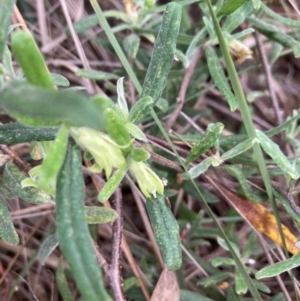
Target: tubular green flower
104, 150
147, 179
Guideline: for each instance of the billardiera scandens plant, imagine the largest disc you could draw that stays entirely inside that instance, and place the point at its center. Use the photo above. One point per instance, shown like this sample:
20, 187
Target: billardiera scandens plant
109, 155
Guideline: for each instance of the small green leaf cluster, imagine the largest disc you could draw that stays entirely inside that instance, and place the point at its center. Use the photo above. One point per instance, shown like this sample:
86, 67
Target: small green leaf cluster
211, 139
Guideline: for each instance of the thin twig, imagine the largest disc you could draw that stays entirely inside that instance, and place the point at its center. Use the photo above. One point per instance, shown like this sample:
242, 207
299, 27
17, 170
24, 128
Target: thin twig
183, 89
162, 160
181, 151
101, 259
294, 5
114, 270
77, 43
17, 160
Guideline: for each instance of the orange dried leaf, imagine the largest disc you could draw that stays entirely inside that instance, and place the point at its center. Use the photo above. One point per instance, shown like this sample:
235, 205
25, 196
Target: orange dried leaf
260, 218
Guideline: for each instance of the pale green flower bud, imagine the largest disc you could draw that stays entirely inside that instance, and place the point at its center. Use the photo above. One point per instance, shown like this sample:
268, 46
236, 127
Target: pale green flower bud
104, 150
147, 179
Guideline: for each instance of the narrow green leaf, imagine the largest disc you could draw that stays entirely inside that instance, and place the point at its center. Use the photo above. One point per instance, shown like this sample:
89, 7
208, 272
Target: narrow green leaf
163, 53
242, 34
289, 121
191, 296
251, 243
6, 9
31, 59
232, 295
223, 244
240, 284
126, 18
273, 150
209, 27
96, 75
275, 34
7, 229
135, 131
12, 133
253, 95
131, 45
116, 128
54, 159
195, 44
278, 297
166, 231
59, 80
45, 107
212, 134
4, 191
262, 287
275, 52
238, 17
99, 215
213, 280
218, 75
226, 261
181, 57
279, 18
62, 283
112, 184
129, 283
230, 6
72, 230
141, 109
198, 169
239, 149
47, 247
83, 24
139, 154
13, 177
279, 267
7, 62
285, 203
246, 188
